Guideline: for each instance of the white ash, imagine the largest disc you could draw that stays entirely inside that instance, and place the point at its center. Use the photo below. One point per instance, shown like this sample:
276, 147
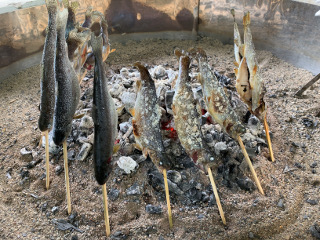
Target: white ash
84, 151
127, 164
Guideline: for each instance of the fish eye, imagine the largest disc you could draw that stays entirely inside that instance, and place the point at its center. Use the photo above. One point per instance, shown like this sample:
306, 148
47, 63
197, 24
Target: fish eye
211, 159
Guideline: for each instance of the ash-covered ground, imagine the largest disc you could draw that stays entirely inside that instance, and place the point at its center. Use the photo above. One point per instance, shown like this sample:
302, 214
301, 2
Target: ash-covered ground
137, 205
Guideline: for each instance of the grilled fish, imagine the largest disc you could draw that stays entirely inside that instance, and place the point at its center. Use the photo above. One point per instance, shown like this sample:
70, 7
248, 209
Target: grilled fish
47, 82
255, 80
238, 46
68, 89
104, 114
215, 97
187, 117
146, 120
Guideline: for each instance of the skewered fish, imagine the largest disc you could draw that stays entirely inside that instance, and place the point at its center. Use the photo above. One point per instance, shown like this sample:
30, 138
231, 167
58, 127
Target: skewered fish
47, 83
104, 113
68, 89
146, 120
215, 97
187, 117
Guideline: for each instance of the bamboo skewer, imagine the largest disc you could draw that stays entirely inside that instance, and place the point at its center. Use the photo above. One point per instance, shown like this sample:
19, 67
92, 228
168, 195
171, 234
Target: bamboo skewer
167, 197
47, 160
216, 195
66, 174
250, 165
266, 128
106, 214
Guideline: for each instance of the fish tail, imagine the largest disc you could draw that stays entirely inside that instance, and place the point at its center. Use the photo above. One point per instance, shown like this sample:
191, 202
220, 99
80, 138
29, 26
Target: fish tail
62, 18
178, 53
233, 14
246, 19
144, 73
96, 44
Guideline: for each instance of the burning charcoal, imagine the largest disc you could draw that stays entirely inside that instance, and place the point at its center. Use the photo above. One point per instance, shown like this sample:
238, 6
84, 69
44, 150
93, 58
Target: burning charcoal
174, 176
307, 122
127, 164
245, 184
118, 236
58, 170
220, 148
113, 194
128, 99
84, 151
153, 209
159, 72
133, 190
315, 230
26, 155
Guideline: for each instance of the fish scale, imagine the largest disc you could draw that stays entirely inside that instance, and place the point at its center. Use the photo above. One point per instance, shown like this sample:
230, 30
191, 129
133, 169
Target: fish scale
146, 120
47, 82
68, 89
187, 117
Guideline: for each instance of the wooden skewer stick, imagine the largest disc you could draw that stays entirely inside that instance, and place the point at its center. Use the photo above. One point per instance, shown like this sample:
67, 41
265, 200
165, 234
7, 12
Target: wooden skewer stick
250, 165
66, 174
215, 192
167, 197
106, 214
47, 160
266, 128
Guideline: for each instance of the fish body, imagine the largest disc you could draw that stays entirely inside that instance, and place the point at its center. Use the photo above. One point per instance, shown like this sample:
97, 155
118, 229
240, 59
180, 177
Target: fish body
255, 79
68, 89
47, 82
187, 117
146, 120
104, 114
215, 97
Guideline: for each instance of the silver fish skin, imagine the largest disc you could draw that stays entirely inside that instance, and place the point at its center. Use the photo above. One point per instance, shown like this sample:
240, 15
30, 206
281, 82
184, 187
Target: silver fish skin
215, 97
187, 117
47, 66
146, 120
68, 89
255, 79
104, 115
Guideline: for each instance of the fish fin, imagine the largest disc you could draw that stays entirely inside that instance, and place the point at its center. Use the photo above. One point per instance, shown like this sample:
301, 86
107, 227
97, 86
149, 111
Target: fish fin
65, 3
246, 19
236, 71
138, 85
255, 69
78, 116
178, 53
137, 146
144, 73
145, 152
132, 111
233, 13
236, 64
74, 5
116, 148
